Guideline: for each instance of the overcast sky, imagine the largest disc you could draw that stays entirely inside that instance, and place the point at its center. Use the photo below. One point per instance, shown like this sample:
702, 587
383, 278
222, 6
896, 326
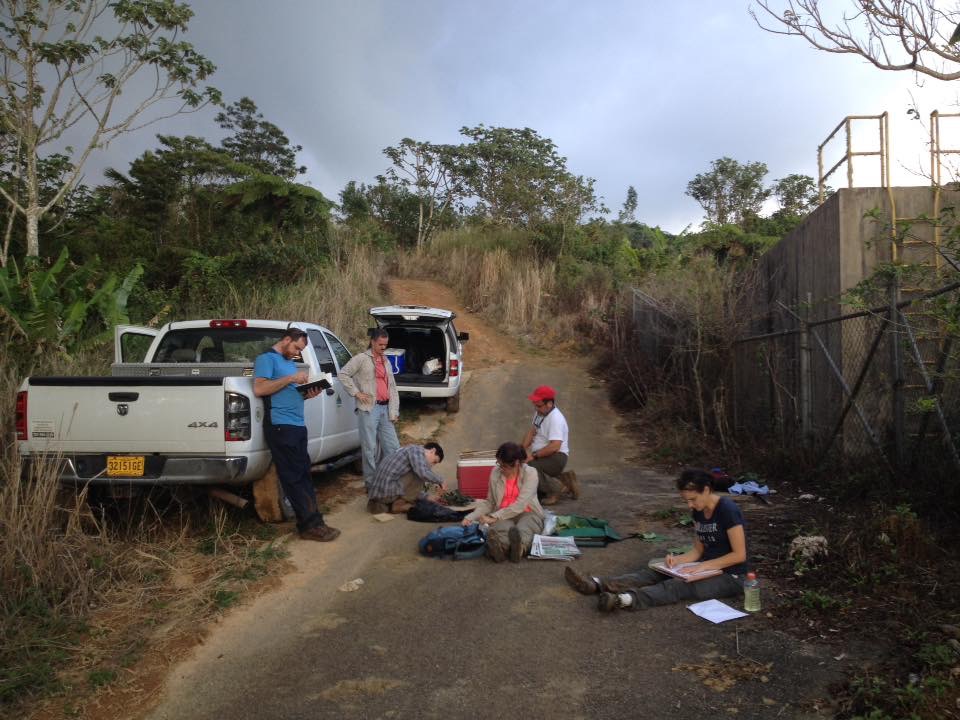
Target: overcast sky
643, 93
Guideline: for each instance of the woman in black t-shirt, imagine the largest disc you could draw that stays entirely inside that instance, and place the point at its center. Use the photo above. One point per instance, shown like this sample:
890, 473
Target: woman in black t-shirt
720, 545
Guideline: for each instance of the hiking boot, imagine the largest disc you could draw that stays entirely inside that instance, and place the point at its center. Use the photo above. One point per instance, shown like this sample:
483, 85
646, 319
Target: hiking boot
549, 500
320, 533
608, 602
581, 583
495, 549
570, 482
375, 507
400, 506
516, 544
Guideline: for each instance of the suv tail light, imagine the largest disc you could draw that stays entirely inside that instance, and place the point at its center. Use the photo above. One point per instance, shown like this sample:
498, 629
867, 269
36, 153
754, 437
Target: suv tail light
236, 417
454, 368
21, 415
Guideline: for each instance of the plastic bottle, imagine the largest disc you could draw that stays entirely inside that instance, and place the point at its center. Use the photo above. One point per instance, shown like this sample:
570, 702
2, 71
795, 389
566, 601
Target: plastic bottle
751, 593
286, 508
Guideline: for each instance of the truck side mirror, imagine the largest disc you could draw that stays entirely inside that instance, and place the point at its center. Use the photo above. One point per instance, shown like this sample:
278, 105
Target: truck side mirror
463, 337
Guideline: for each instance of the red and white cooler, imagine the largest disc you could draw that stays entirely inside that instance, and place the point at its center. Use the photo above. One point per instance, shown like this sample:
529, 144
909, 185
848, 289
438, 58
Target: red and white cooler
473, 473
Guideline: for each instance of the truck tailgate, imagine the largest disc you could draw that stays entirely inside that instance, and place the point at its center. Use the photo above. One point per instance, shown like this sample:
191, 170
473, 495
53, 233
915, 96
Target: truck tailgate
115, 414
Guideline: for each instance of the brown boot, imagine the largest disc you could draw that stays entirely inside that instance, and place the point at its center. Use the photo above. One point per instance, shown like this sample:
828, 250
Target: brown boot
376, 507
583, 584
570, 482
516, 544
320, 533
549, 500
400, 506
495, 549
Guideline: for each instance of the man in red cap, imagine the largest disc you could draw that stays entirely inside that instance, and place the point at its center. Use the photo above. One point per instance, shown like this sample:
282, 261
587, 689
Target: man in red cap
547, 446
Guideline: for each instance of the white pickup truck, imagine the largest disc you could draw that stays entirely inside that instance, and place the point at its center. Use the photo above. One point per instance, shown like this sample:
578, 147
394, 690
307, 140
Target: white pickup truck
179, 408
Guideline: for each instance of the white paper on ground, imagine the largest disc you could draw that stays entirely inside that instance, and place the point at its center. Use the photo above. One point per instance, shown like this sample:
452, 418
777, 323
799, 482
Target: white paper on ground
715, 611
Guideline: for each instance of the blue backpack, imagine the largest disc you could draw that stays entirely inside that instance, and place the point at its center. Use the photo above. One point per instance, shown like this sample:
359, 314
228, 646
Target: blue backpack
461, 543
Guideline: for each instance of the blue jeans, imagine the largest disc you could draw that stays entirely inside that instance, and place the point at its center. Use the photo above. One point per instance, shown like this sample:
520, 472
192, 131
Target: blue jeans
288, 446
375, 426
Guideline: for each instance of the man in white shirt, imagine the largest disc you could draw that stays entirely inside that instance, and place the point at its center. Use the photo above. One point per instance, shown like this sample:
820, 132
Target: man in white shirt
548, 448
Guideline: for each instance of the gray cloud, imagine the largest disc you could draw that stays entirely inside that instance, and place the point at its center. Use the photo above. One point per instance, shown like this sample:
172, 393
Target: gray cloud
642, 94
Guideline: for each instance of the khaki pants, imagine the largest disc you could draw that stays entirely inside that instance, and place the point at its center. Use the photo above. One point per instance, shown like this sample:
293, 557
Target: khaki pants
527, 523
412, 488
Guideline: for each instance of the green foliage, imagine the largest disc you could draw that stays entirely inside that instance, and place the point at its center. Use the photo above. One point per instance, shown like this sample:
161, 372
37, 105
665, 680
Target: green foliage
55, 82
797, 194
516, 177
936, 656
257, 143
62, 308
101, 676
730, 192
821, 602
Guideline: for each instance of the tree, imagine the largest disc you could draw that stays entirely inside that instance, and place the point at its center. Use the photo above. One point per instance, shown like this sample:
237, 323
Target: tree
891, 34
518, 178
258, 143
797, 194
434, 172
354, 201
730, 192
65, 65
629, 211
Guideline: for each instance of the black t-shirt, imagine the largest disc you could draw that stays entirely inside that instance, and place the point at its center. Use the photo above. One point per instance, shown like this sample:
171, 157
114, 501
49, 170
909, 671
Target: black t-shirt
713, 532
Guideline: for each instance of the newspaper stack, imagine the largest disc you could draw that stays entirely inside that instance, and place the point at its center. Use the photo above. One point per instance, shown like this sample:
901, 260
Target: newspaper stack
552, 547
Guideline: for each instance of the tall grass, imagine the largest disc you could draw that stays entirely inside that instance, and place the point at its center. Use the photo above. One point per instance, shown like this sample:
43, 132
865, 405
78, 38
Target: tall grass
62, 565
500, 274
336, 296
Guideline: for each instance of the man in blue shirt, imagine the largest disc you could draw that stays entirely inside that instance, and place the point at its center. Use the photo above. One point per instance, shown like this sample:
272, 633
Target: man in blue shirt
275, 380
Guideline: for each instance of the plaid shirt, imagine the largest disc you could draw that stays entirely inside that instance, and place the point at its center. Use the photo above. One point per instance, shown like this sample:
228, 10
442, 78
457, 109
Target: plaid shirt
388, 479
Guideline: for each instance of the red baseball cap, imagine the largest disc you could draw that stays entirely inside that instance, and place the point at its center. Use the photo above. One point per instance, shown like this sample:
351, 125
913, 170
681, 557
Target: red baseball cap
544, 392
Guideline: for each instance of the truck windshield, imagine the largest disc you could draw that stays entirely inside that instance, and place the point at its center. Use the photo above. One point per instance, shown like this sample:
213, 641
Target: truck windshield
213, 345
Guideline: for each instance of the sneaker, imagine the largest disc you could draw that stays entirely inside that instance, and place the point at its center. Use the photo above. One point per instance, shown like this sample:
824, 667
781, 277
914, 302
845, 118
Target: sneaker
320, 533
516, 545
549, 500
570, 482
495, 549
608, 602
581, 583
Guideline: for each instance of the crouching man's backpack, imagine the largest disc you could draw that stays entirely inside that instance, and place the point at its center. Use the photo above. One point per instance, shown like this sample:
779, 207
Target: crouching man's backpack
457, 541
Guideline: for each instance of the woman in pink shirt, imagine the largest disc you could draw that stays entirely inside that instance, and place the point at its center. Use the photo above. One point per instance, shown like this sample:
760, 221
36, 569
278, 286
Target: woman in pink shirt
511, 509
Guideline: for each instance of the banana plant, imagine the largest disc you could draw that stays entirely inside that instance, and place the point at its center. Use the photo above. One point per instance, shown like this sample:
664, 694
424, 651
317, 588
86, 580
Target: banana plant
62, 308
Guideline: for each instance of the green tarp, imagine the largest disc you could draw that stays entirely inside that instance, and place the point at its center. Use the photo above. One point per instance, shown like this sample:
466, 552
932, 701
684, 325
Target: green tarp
586, 531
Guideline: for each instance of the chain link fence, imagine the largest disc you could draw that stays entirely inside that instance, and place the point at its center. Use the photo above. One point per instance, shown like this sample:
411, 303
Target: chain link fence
883, 382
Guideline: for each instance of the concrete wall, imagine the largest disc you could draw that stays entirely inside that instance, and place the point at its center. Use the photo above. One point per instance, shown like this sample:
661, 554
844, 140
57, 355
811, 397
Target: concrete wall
836, 247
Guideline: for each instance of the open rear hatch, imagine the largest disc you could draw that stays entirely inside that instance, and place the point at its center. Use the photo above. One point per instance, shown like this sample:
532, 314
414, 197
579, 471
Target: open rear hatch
418, 342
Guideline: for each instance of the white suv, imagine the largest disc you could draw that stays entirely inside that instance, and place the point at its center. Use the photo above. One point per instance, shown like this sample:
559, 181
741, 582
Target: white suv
425, 350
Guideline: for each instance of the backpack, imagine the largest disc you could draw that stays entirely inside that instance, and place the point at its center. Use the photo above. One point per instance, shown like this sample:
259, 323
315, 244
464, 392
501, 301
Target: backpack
424, 510
460, 542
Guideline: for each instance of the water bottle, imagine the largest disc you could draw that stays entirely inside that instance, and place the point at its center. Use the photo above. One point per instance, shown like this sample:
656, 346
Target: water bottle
751, 593
286, 508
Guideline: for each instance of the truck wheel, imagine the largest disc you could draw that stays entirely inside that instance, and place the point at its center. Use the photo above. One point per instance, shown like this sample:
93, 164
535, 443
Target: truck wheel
453, 403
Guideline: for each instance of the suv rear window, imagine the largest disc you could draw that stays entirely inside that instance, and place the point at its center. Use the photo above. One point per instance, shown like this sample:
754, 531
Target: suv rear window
215, 344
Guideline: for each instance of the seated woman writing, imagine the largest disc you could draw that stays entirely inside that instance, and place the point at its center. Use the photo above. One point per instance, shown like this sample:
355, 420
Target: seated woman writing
511, 509
720, 544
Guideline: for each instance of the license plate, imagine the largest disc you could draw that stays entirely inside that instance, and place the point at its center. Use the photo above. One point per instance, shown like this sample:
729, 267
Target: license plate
125, 465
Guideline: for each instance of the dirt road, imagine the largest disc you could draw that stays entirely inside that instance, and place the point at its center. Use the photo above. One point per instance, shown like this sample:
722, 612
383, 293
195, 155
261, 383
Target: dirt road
426, 638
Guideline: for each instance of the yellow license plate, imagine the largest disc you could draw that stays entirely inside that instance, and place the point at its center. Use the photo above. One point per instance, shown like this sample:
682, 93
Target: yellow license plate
125, 465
